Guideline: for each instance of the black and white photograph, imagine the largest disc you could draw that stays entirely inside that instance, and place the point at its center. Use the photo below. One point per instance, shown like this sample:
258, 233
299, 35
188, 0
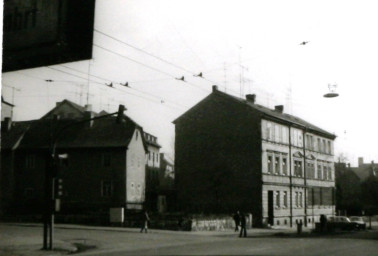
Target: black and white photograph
189, 127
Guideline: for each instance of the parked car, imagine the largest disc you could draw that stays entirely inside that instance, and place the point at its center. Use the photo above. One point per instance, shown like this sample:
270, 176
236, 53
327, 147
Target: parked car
340, 222
358, 221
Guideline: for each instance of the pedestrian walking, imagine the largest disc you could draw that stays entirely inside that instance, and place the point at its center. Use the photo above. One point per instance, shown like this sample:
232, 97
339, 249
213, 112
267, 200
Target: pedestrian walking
243, 226
236, 218
145, 220
323, 223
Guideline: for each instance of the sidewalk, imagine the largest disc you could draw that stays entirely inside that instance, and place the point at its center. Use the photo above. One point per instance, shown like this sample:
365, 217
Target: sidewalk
23, 241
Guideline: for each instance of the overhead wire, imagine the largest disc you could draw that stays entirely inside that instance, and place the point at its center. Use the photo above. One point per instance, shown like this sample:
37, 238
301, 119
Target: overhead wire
131, 88
152, 55
179, 105
147, 66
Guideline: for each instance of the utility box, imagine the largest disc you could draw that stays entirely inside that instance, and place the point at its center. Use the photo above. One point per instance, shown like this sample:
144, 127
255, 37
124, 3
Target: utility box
117, 215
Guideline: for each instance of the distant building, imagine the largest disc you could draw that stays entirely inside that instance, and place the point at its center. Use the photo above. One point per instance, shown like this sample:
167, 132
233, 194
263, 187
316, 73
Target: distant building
6, 109
365, 170
104, 167
233, 154
166, 191
152, 171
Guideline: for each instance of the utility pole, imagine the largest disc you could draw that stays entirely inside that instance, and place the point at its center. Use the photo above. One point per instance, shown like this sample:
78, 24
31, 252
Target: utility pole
51, 175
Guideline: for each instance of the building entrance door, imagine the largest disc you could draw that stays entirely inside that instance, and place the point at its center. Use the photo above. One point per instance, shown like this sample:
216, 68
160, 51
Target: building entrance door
270, 208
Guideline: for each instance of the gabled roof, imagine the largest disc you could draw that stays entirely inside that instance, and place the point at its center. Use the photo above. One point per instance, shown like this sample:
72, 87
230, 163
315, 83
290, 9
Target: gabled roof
75, 106
6, 102
10, 139
267, 112
105, 132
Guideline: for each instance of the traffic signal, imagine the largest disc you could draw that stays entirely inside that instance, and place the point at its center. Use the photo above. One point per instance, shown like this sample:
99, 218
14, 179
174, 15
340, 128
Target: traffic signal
58, 188
121, 109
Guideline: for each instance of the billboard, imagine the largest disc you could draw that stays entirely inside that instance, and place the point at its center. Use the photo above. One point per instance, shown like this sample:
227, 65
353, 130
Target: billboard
46, 32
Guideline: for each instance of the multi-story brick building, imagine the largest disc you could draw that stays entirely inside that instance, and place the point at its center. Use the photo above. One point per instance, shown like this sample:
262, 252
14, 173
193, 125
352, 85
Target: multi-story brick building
233, 154
104, 165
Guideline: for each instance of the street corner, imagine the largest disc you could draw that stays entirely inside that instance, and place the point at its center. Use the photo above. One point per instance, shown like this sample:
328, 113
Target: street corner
60, 248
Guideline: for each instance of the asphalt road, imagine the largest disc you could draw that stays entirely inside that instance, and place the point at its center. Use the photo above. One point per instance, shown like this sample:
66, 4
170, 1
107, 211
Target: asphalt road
131, 242
344, 246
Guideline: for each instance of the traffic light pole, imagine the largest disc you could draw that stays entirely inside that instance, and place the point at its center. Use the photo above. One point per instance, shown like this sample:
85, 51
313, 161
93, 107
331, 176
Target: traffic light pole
50, 177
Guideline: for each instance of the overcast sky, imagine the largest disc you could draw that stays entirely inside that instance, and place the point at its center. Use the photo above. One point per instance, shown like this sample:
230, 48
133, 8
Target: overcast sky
160, 40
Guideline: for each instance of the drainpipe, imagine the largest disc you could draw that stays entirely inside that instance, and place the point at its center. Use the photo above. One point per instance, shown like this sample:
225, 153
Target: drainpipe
290, 180
305, 176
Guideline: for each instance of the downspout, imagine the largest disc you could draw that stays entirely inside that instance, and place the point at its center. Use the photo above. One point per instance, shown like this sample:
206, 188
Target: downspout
290, 180
305, 176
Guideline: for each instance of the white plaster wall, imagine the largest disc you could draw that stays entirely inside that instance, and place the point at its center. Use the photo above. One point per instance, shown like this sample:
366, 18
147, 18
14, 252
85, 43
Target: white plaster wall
135, 172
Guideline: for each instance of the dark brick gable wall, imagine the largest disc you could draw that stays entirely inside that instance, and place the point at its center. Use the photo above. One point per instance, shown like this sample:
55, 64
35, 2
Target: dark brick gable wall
82, 174
218, 158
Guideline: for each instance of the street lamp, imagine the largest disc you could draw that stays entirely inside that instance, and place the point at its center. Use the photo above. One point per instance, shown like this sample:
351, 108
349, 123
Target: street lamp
51, 177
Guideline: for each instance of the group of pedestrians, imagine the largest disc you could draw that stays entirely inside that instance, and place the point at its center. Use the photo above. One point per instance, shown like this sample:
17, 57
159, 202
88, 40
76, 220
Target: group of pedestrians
240, 221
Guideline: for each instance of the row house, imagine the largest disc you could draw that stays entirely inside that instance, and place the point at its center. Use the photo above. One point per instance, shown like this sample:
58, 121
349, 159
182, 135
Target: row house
233, 154
104, 165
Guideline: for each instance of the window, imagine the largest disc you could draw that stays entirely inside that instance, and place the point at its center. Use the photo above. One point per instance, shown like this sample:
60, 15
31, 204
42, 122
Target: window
329, 173
136, 135
297, 168
329, 147
319, 145
30, 161
285, 199
284, 165
106, 188
325, 172
300, 199
276, 133
300, 141
106, 159
268, 131
278, 203
323, 146
276, 165
310, 170
296, 199
319, 171
270, 164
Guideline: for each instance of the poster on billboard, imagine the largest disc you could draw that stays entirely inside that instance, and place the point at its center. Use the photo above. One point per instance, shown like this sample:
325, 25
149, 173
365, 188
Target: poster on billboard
43, 32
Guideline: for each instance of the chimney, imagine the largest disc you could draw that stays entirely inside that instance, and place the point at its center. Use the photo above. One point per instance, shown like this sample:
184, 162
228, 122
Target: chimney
88, 107
7, 123
360, 161
251, 98
215, 88
88, 115
279, 108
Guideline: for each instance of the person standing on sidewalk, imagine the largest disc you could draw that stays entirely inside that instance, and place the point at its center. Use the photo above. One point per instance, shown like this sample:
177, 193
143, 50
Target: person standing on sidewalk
243, 226
145, 220
236, 218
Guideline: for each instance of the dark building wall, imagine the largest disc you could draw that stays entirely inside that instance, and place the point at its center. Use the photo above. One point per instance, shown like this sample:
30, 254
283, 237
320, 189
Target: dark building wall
218, 158
83, 175
29, 181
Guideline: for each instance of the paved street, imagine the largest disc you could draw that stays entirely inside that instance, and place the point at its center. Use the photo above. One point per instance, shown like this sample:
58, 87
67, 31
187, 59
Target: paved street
27, 240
